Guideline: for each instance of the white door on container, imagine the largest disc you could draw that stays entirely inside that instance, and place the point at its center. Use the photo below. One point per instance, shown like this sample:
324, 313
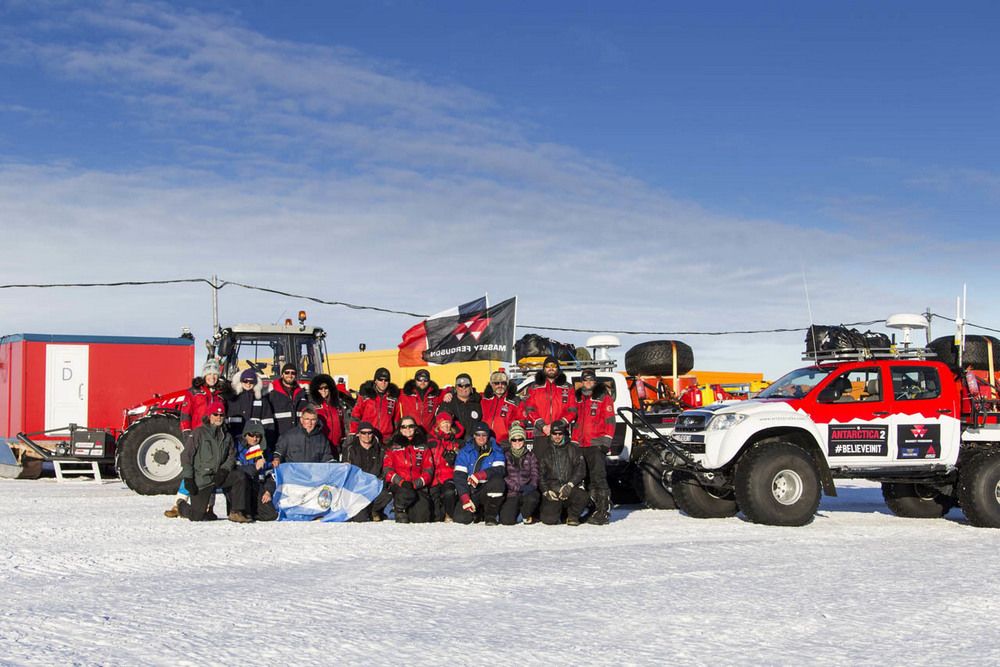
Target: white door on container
67, 369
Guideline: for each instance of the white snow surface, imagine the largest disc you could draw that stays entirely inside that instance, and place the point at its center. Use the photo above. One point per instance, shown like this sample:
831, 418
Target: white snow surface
94, 574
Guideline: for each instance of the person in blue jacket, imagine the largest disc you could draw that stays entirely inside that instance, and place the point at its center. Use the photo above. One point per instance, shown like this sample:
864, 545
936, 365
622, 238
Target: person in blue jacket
480, 468
253, 458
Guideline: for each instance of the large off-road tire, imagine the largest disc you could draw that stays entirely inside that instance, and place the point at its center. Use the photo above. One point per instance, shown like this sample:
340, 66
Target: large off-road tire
699, 502
976, 351
656, 357
979, 489
916, 501
777, 484
656, 491
149, 456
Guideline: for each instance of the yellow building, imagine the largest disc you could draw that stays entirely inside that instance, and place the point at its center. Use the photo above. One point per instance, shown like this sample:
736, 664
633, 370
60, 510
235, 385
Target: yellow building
358, 367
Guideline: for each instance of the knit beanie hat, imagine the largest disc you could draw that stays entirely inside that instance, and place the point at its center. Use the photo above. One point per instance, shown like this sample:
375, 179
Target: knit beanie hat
516, 431
211, 367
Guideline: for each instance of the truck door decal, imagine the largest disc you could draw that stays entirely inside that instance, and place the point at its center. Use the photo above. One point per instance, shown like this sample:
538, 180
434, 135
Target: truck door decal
918, 441
861, 440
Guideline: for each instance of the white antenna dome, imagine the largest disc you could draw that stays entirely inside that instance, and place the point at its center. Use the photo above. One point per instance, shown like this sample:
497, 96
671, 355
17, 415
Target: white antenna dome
601, 344
906, 322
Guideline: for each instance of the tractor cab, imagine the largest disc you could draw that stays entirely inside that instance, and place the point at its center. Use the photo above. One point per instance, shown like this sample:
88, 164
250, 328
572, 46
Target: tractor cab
267, 347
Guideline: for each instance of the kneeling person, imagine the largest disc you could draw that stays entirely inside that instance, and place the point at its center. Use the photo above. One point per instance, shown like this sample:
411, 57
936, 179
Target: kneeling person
209, 461
561, 473
522, 480
479, 478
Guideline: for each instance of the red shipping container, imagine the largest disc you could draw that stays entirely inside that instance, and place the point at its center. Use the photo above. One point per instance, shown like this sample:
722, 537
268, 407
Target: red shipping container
48, 381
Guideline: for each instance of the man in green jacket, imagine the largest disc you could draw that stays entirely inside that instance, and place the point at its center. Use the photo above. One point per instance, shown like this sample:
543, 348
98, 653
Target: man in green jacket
208, 462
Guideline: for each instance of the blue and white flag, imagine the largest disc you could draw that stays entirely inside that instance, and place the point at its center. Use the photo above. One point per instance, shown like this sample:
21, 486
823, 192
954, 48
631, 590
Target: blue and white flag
322, 491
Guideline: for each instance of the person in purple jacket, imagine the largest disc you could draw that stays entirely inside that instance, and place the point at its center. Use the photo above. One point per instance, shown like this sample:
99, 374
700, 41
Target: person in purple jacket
522, 481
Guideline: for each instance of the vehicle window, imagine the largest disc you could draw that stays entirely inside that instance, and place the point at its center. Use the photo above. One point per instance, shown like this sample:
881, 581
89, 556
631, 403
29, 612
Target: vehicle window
796, 384
858, 385
914, 383
261, 354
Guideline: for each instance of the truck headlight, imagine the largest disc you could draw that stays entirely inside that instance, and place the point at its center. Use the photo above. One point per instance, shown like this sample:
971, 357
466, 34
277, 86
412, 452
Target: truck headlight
722, 422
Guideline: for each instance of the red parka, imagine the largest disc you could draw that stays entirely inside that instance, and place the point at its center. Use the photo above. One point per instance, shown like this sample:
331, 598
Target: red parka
409, 461
549, 402
595, 420
379, 409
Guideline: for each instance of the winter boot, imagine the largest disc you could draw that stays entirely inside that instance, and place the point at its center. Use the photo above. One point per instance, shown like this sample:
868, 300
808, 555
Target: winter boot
572, 521
239, 517
173, 512
401, 517
601, 515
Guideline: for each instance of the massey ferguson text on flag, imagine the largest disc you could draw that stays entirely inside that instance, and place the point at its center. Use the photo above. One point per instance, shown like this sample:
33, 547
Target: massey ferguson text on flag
470, 332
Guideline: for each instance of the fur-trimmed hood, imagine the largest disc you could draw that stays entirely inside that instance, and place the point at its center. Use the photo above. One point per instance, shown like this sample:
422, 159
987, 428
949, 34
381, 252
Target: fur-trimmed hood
410, 388
367, 390
419, 438
511, 391
600, 391
237, 387
540, 378
336, 396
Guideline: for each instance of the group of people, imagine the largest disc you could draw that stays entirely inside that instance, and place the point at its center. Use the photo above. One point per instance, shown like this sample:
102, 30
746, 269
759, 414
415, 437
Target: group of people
444, 454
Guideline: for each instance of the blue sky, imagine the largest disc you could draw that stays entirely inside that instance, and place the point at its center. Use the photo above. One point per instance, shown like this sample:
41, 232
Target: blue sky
655, 166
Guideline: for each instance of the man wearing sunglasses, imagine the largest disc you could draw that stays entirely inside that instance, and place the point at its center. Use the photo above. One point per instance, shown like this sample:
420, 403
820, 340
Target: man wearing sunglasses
420, 399
464, 405
366, 452
500, 407
550, 401
287, 400
480, 468
376, 404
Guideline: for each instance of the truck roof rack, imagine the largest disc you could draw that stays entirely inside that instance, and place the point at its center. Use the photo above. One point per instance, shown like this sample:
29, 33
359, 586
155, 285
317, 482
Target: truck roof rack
867, 353
578, 365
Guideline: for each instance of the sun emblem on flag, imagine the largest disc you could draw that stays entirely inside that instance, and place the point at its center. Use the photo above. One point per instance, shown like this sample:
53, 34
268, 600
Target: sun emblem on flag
325, 498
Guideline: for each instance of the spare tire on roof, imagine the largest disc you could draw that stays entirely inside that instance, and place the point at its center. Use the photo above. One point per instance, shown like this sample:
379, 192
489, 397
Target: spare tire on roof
976, 351
656, 357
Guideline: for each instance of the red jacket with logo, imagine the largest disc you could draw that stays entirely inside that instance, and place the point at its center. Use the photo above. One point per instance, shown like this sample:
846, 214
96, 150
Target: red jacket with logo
548, 402
378, 409
419, 406
199, 401
445, 450
500, 412
595, 418
409, 461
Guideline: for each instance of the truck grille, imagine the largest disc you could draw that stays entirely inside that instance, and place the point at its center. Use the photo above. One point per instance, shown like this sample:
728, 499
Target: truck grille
691, 423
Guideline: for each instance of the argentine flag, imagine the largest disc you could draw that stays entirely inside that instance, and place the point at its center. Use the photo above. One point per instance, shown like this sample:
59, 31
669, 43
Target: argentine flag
322, 491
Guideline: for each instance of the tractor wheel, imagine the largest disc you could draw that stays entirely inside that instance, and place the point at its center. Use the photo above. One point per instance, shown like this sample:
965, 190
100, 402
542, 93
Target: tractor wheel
777, 484
149, 456
979, 490
656, 357
656, 488
699, 502
916, 501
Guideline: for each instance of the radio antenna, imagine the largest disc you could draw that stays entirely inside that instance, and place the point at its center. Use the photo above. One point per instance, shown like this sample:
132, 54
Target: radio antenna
809, 308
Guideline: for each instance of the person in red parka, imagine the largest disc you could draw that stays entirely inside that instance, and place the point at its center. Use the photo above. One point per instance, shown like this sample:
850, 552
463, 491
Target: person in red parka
550, 400
330, 408
409, 472
594, 428
420, 399
500, 407
446, 440
202, 399
376, 404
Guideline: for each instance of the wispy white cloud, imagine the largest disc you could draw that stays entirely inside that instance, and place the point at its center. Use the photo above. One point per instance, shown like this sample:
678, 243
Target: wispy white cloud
323, 171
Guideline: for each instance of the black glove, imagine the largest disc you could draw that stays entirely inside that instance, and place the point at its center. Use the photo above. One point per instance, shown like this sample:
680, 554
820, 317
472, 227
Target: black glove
565, 490
407, 485
191, 487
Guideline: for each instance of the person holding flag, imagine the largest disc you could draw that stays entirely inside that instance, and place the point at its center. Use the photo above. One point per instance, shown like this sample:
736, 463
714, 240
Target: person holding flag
253, 460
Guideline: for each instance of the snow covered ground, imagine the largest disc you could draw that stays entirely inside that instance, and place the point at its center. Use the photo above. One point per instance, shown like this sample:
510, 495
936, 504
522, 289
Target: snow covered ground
94, 574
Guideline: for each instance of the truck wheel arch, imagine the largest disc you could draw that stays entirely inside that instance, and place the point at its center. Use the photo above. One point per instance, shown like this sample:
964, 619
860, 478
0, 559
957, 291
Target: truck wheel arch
803, 439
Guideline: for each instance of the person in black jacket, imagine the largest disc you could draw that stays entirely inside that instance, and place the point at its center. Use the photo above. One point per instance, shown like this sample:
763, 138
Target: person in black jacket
464, 404
306, 443
561, 474
366, 452
247, 405
287, 399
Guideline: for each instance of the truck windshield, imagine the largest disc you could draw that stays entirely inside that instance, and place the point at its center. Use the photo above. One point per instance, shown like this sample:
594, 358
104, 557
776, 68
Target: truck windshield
796, 384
